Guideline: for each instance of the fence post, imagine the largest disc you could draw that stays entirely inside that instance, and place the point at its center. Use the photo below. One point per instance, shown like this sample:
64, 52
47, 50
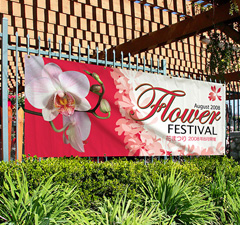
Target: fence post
5, 89
164, 66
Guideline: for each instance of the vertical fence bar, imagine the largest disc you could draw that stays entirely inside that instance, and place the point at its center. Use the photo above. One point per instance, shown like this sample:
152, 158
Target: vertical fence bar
158, 158
189, 77
238, 106
79, 52
144, 64
16, 61
49, 50
121, 60
129, 61
164, 67
39, 53
88, 54
114, 58
97, 55
39, 45
70, 50
60, 49
137, 62
165, 74
5, 89
234, 114
151, 63
145, 160
28, 43
105, 57
230, 115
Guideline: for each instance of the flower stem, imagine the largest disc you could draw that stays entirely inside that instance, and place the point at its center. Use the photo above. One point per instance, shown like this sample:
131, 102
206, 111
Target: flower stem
100, 117
99, 94
32, 112
58, 130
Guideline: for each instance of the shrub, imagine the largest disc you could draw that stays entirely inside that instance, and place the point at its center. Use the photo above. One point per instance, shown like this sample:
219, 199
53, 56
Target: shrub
181, 200
233, 207
95, 180
47, 204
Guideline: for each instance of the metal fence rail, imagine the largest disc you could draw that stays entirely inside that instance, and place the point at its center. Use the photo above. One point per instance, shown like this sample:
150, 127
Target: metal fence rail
79, 57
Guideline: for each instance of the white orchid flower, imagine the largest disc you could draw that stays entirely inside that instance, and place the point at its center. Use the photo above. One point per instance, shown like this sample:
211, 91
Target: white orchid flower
54, 91
78, 130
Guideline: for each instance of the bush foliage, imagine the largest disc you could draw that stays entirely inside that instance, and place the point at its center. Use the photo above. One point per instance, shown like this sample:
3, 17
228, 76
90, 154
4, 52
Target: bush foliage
94, 180
206, 186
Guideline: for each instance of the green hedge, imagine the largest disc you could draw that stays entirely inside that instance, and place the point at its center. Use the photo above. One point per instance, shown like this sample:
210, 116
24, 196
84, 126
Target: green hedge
95, 180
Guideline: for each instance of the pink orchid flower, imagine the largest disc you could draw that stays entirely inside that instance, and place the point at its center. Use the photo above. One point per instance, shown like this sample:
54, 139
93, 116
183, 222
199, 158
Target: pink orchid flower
78, 130
54, 91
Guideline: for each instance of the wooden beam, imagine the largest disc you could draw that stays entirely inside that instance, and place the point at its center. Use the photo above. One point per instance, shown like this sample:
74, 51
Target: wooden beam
228, 77
235, 76
186, 28
230, 32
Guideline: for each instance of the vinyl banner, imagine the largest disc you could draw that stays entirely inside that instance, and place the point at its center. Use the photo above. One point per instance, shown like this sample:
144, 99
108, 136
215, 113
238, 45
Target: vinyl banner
88, 110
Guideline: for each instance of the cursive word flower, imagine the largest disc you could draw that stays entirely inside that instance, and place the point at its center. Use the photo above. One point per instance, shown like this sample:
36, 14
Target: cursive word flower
54, 91
214, 94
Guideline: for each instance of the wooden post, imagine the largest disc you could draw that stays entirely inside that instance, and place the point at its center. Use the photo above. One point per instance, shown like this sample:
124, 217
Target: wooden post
9, 131
20, 134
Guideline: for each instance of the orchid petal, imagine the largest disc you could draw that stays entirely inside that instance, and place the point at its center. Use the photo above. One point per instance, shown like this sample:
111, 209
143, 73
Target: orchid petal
75, 82
84, 124
66, 120
75, 138
49, 115
74, 134
33, 68
78, 130
52, 71
39, 91
65, 140
50, 112
82, 104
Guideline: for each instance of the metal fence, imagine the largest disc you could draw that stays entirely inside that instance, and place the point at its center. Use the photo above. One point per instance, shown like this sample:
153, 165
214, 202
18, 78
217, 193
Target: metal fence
232, 89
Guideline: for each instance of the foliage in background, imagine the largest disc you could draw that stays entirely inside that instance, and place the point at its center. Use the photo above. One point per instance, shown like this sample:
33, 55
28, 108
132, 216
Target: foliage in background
233, 7
12, 100
224, 56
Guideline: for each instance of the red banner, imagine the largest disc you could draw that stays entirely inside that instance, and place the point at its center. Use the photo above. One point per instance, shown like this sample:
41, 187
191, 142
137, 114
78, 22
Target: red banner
90, 110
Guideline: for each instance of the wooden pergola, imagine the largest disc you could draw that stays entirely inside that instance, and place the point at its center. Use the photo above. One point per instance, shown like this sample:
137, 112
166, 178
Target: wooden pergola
217, 17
